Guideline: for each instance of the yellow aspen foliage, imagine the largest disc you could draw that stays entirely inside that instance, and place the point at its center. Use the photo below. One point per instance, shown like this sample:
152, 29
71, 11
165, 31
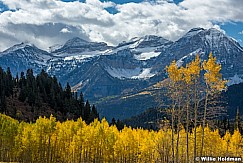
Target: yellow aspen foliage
226, 143
8, 131
74, 141
212, 76
236, 144
192, 70
174, 73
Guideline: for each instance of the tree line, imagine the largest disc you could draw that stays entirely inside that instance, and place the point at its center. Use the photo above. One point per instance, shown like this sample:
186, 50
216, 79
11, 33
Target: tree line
40, 91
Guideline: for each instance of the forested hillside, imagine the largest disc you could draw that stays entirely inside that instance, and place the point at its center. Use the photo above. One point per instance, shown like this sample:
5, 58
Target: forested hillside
26, 97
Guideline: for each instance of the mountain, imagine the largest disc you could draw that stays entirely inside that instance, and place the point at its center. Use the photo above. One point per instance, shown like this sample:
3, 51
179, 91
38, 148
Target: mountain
78, 46
116, 70
202, 41
147, 41
120, 79
22, 56
197, 41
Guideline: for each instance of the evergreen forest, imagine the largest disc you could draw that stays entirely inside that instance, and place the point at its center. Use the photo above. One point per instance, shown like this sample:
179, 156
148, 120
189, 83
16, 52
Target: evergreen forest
28, 96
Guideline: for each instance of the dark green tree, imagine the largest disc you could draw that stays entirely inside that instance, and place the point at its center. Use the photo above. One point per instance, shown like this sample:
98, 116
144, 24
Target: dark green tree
113, 121
86, 111
119, 125
93, 115
8, 83
68, 92
81, 105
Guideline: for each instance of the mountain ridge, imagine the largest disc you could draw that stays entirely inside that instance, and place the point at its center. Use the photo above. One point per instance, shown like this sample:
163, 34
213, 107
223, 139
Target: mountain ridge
101, 71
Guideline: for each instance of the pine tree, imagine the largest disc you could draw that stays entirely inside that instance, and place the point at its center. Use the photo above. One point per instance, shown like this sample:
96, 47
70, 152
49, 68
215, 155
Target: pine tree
68, 92
95, 112
86, 111
9, 83
81, 105
113, 121
119, 125
93, 115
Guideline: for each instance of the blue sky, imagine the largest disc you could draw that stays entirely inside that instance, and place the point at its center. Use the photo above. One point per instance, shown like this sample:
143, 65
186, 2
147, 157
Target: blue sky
49, 22
234, 30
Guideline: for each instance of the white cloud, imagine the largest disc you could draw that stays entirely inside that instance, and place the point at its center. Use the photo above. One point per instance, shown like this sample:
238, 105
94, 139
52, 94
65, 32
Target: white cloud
65, 30
59, 21
218, 28
241, 32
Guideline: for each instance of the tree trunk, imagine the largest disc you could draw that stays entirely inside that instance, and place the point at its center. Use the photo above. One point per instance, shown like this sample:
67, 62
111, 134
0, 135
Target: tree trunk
172, 135
187, 132
204, 120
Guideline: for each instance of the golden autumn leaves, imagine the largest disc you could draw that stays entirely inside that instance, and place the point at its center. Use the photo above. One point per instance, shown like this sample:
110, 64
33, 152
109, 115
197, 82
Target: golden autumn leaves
74, 141
211, 69
196, 83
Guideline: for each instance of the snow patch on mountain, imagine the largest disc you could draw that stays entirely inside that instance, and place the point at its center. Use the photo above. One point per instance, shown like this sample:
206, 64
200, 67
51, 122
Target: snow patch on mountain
234, 80
83, 55
180, 62
123, 73
134, 45
146, 55
80, 57
145, 74
137, 73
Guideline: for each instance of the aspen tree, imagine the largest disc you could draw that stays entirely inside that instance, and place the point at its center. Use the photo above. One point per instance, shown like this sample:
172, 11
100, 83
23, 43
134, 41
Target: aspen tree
191, 77
214, 84
174, 92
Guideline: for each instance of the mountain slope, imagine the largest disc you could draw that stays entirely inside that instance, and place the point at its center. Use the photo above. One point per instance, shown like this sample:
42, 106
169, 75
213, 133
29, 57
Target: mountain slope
107, 75
197, 41
202, 41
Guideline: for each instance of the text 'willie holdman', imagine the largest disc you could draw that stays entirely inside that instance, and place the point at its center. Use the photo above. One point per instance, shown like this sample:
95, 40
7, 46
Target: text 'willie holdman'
219, 159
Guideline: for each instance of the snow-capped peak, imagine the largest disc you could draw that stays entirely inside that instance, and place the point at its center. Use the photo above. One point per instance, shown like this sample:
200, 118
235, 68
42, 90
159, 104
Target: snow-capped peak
193, 32
145, 41
211, 38
19, 46
76, 41
211, 32
153, 38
